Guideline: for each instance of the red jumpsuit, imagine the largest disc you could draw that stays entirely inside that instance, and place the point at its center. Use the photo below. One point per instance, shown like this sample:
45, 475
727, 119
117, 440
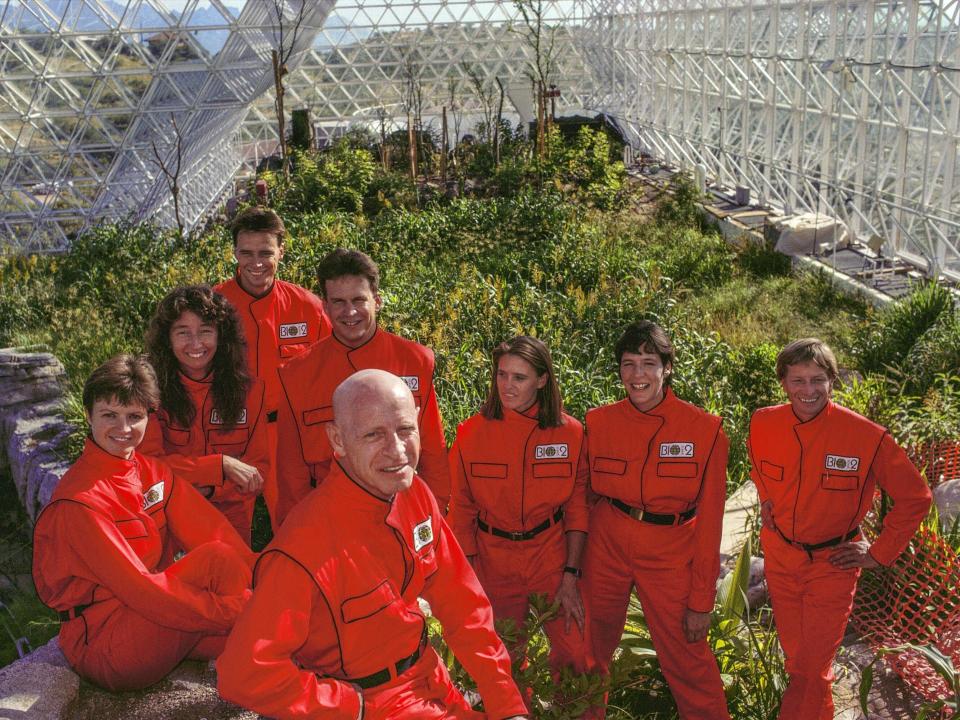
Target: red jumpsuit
335, 608
196, 453
670, 460
96, 553
278, 326
514, 476
821, 476
304, 453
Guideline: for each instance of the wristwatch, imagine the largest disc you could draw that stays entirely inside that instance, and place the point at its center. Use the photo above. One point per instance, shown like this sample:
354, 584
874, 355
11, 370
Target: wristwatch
575, 571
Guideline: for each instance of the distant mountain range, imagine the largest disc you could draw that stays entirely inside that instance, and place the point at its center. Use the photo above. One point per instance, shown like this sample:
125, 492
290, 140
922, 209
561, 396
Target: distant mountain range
78, 15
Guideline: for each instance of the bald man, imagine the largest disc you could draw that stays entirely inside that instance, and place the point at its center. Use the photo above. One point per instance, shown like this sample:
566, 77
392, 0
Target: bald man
334, 629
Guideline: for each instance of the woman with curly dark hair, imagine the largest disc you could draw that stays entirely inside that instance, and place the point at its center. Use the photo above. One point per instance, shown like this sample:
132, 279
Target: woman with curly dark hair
209, 426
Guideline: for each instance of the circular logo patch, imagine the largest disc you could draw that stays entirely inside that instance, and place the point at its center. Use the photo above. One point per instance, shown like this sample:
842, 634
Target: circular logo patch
423, 533
674, 449
841, 463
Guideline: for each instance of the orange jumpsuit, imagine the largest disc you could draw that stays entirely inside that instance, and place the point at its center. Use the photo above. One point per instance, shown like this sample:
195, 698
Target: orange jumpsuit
821, 476
515, 477
278, 326
196, 453
335, 613
670, 461
127, 622
304, 453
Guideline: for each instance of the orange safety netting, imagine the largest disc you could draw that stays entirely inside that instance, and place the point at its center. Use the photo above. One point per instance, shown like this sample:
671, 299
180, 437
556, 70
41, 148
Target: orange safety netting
917, 600
939, 461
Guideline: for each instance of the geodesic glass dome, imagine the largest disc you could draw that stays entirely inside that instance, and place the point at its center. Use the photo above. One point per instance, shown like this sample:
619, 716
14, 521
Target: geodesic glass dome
839, 107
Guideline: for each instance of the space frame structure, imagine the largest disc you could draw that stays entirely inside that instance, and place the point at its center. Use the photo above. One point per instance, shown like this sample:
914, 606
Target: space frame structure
843, 107
847, 108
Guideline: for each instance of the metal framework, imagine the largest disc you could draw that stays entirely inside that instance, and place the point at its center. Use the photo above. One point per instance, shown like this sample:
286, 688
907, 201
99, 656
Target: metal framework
843, 107
846, 107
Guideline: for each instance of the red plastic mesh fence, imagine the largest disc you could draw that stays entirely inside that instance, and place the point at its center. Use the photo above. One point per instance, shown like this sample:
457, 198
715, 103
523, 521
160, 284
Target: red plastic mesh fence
917, 600
938, 461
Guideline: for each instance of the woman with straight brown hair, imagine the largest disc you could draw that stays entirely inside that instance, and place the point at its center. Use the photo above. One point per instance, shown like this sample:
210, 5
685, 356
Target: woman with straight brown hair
518, 504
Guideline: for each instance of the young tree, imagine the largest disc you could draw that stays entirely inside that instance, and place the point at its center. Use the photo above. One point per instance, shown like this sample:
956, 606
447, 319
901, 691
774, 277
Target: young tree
170, 167
541, 39
412, 100
288, 29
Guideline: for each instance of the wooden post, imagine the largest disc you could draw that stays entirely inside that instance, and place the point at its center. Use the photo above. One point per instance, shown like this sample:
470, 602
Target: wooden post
444, 146
412, 147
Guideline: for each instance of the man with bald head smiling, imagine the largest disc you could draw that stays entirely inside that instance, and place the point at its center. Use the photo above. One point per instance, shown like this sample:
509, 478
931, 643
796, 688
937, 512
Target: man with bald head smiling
334, 629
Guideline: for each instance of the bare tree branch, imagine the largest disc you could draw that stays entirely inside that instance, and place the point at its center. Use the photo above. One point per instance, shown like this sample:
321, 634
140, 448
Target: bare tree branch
171, 172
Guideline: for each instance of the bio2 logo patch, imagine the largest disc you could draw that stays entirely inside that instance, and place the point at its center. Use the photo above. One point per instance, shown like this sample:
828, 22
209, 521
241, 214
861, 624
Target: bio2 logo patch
293, 330
556, 451
676, 449
842, 462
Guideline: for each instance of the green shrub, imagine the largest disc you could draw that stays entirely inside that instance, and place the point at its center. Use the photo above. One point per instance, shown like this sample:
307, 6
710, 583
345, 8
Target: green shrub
892, 333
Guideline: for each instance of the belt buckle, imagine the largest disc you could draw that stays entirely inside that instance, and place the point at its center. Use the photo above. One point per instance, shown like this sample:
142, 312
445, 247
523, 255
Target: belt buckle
516, 536
639, 514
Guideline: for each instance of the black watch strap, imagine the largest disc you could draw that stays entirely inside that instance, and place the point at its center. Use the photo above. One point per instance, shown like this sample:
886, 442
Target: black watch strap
576, 572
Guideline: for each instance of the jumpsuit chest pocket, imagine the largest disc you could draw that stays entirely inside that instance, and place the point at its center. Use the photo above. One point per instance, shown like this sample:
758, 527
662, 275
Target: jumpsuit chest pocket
369, 603
677, 469
552, 470
176, 436
837, 482
318, 416
496, 471
771, 471
132, 529
289, 350
610, 466
229, 442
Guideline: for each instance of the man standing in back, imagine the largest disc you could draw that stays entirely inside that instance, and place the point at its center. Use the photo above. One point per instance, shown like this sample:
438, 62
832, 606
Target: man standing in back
280, 320
349, 282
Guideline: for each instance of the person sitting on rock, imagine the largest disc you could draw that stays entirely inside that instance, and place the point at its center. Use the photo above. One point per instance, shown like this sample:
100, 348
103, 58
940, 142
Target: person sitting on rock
334, 628
99, 547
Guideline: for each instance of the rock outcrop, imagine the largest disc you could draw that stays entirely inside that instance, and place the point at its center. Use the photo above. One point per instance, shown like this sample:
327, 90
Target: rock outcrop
32, 426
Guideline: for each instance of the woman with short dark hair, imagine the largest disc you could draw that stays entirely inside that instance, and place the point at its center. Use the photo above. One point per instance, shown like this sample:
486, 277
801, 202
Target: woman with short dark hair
658, 466
209, 425
101, 547
518, 504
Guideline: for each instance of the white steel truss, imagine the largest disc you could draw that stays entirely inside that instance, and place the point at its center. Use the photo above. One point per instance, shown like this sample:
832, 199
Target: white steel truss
846, 107
97, 97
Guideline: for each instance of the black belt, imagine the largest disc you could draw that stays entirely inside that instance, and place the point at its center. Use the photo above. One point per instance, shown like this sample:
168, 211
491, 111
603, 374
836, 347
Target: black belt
523, 534
401, 666
809, 548
654, 518
73, 613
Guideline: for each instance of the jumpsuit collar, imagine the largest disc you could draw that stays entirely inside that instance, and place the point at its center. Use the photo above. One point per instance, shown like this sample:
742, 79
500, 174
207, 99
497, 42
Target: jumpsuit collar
119, 469
253, 298
817, 420
657, 411
352, 497
531, 413
377, 334
190, 384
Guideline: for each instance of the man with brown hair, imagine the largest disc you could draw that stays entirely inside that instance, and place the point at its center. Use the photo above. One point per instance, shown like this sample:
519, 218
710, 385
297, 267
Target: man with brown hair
816, 466
349, 282
280, 320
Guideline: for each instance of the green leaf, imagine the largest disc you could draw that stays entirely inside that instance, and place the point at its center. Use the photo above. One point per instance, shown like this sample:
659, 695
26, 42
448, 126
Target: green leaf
732, 594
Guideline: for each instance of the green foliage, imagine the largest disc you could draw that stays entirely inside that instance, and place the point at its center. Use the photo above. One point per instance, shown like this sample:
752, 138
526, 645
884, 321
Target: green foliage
585, 166
924, 317
941, 663
338, 179
679, 204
